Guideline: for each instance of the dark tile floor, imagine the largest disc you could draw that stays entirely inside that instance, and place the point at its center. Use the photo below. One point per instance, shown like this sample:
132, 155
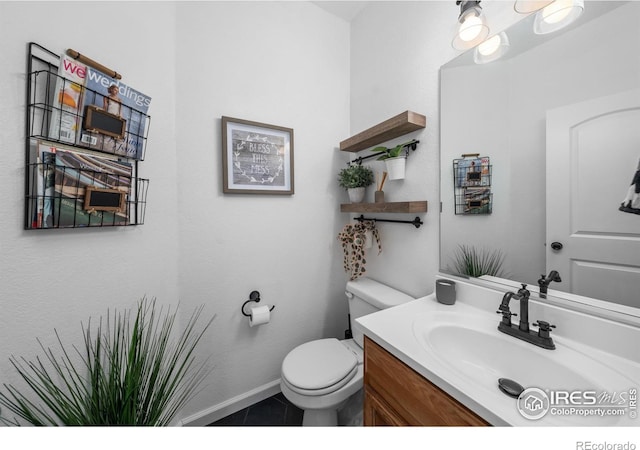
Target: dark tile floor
273, 411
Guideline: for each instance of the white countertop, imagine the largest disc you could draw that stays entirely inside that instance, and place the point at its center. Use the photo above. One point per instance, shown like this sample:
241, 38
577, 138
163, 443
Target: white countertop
395, 330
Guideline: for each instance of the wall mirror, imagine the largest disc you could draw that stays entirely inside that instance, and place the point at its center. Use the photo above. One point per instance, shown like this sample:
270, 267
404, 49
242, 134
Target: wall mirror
558, 117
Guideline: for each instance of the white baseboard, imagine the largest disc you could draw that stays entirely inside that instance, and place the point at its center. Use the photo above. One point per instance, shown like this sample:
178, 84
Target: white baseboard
221, 410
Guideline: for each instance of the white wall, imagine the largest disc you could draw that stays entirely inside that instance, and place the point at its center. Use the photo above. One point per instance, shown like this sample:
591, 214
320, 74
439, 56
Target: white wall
278, 63
396, 52
284, 63
58, 278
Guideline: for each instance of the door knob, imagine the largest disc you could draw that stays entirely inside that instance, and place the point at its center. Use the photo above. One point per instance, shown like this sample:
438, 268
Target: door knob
557, 246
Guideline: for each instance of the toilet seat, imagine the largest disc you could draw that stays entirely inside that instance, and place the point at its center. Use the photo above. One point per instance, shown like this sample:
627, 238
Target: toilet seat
319, 367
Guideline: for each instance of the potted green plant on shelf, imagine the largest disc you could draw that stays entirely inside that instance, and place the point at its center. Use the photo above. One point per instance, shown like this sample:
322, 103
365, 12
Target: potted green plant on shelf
133, 369
395, 160
355, 178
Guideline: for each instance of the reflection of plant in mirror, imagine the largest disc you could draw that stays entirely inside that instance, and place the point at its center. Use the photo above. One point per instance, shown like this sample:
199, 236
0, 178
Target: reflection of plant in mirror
474, 262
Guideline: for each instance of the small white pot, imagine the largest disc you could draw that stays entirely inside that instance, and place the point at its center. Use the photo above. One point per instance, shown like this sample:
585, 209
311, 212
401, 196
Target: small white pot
396, 167
356, 195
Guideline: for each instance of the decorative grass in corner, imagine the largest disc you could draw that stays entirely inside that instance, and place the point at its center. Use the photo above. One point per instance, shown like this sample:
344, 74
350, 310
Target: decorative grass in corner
132, 370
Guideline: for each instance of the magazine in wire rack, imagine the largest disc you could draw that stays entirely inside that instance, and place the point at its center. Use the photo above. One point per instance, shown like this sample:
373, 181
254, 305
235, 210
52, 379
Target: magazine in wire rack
63, 180
86, 134
472, 184
115, 100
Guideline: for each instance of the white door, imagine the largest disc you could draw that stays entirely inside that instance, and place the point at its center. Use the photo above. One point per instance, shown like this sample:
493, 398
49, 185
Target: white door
593, 149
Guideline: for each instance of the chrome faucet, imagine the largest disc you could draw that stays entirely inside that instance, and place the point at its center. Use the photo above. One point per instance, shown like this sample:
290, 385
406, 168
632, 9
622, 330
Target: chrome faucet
544, 282
522, 331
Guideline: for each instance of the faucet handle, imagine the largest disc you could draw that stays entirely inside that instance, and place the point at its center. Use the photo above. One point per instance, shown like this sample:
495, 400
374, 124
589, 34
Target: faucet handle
544, 328
506, 317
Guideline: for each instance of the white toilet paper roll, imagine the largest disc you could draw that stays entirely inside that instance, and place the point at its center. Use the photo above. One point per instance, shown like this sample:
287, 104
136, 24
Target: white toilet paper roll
259, 315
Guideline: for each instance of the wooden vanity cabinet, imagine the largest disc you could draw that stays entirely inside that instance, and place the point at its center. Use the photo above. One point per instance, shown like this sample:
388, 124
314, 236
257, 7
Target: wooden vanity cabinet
394, 394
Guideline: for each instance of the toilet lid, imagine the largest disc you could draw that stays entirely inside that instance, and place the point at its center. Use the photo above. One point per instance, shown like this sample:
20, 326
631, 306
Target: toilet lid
318, 365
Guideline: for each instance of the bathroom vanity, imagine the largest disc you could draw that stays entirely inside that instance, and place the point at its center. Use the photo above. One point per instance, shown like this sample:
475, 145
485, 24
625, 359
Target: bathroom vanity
432, 364
395, 394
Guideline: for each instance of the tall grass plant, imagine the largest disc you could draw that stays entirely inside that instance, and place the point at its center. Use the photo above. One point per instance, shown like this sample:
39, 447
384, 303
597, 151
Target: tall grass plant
135, 368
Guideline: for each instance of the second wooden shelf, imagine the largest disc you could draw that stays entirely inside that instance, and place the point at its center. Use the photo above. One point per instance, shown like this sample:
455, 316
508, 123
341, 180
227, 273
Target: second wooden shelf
386, 207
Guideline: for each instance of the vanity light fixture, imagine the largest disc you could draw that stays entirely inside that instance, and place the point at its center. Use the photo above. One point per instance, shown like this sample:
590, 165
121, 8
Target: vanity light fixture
472, 27
530, 6
557, 15
492, 49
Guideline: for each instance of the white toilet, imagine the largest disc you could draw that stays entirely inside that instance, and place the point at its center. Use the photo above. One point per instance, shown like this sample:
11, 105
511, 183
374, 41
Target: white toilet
321, 375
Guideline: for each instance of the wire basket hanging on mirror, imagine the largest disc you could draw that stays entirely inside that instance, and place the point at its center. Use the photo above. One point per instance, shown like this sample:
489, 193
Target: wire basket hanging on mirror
472, 184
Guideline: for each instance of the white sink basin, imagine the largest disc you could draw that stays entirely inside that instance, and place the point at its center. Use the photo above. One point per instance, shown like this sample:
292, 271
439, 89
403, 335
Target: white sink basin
478, 353
460, 350
472, 346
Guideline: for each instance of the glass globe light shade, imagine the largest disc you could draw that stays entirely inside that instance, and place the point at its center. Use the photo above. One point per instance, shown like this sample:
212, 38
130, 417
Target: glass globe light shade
492, 49
557, 15
471, 31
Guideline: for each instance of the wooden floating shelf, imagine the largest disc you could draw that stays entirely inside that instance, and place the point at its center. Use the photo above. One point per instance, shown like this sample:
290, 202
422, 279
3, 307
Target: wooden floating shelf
386, 207
401, 124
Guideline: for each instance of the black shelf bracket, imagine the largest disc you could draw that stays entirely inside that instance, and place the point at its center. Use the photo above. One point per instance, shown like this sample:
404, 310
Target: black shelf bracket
411, 145
415, 222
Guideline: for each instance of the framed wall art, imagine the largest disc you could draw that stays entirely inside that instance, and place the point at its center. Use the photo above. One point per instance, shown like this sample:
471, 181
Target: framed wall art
256, 158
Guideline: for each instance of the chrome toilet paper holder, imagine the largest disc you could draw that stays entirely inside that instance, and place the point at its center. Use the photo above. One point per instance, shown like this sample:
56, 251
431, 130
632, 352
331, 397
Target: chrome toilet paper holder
253, 297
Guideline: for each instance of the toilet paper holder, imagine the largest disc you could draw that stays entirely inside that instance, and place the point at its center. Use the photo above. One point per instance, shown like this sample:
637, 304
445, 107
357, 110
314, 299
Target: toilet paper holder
253, 297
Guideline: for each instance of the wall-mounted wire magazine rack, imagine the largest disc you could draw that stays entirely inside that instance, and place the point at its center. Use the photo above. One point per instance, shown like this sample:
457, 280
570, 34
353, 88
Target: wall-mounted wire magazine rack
472, 184
79, 172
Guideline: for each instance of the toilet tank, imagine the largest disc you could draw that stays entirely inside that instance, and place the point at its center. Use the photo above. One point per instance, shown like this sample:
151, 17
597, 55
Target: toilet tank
367, 296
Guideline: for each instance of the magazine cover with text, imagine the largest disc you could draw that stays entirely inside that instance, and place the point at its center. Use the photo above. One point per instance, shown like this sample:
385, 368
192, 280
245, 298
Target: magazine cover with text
118, 99
67, 103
